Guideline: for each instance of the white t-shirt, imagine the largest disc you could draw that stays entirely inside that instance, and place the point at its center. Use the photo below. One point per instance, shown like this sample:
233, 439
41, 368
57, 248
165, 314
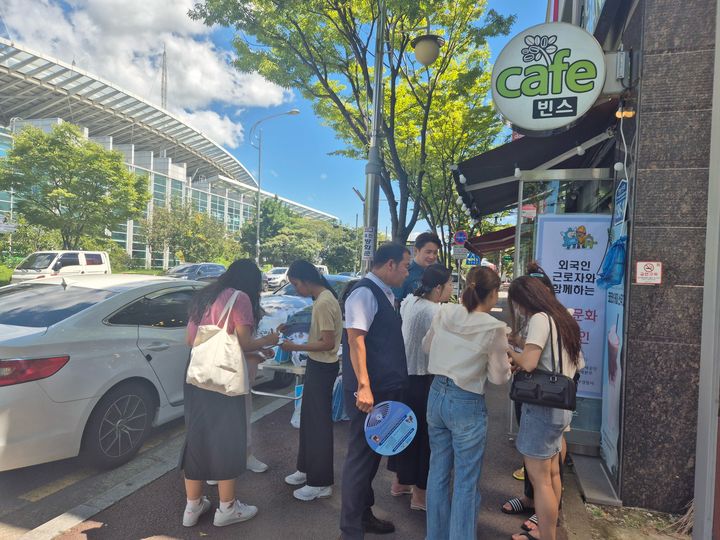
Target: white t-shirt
361, 306
417, 315
538, 333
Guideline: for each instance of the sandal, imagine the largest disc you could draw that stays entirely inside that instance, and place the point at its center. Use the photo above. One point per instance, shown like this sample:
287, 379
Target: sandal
527, 534
519, 474
516, 507
531, 519
401, 491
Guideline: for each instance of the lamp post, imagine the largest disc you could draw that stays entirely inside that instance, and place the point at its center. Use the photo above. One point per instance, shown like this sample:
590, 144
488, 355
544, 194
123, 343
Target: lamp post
427, 49
291, 112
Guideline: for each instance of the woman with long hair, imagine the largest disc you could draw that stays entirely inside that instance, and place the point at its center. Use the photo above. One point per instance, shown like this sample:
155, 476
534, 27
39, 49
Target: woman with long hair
467, 348
216, 438
417, 311
315, 451
541, 430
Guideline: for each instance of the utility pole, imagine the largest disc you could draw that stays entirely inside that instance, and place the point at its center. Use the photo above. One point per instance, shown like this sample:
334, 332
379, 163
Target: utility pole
164, 81
373, 169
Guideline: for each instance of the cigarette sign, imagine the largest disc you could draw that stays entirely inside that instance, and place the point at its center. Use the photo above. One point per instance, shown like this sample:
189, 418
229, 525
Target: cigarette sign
648, 273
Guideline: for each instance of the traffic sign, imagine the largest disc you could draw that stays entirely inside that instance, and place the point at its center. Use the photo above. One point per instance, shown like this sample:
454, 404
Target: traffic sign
459, 253
8, 228
507, 258
472, 260
460, 238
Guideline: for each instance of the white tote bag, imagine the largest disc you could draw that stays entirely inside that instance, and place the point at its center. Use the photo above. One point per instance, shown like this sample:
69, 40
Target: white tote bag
217, 362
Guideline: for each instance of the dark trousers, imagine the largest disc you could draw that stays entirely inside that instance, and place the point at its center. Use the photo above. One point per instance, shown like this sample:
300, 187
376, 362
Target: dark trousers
361, 465
315, 451
413, 464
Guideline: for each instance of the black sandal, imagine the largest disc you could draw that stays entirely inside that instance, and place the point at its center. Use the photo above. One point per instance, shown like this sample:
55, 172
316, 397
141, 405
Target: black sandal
531, 519
516, 507
527, 534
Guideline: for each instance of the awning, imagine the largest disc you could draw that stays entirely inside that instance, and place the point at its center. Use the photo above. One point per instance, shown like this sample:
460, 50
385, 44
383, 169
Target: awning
492, 241
491, 184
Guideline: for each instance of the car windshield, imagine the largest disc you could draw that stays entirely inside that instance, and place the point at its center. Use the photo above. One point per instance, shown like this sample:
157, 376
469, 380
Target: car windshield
278, 271
37, 261
39, 305
182, 269
338, 286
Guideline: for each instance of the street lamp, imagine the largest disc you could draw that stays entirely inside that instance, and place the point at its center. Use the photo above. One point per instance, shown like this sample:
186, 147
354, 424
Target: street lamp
291, 112
427, 49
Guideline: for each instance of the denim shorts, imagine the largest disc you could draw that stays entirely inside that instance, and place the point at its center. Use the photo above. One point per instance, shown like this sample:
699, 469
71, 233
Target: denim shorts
541, 430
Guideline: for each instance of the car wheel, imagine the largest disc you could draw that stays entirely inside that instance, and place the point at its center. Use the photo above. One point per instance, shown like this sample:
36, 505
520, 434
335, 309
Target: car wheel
119, 425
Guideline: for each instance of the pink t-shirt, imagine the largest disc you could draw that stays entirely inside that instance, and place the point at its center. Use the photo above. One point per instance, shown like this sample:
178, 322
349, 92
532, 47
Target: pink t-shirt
241, 313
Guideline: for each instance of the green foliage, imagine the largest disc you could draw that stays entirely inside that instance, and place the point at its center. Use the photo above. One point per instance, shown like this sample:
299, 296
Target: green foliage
190, 235
29, 238
286, 237
64, 182
5, 275
325, 50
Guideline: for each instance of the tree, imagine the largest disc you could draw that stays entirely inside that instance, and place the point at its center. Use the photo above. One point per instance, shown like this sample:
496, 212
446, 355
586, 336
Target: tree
274, 216
63, 181
29, 238
189, 235
323, 49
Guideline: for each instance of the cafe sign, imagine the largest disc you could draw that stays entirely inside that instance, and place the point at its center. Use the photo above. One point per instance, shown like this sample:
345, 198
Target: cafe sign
548, 77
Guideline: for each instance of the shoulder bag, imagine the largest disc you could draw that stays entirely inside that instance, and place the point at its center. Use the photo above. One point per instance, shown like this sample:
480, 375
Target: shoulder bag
545, 388
217, 362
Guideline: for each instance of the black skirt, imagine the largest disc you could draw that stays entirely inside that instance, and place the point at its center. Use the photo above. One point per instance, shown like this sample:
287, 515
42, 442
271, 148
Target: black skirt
216, 439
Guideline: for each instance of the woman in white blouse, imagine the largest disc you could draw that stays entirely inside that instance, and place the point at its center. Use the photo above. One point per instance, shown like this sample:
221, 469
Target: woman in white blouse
417, 312
467, 347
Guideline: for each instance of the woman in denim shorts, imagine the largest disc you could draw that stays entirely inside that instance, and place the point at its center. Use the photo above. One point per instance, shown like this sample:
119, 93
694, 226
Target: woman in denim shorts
539, 439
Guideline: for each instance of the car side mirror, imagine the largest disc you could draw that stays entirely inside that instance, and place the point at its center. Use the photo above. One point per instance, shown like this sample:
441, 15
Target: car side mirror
57, 266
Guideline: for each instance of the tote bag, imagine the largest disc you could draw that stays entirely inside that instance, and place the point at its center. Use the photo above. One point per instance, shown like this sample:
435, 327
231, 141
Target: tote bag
217, 362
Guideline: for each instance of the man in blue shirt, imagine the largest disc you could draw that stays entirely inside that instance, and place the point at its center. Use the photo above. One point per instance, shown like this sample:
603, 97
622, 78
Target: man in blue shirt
427, 246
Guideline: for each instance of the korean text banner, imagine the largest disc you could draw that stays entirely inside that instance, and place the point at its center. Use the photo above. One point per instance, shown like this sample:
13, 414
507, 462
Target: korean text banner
570, 248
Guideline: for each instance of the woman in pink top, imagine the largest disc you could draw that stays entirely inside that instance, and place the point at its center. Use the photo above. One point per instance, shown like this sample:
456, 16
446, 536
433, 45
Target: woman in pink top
216, 440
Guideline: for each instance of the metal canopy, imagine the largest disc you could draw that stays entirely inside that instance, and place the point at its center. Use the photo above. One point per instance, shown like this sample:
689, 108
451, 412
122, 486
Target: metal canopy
491, 179
33, 86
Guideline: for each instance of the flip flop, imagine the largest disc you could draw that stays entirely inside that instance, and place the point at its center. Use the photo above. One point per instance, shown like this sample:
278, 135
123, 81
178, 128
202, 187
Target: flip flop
517, 507
400, 493
527, 535
531, 519
519, 474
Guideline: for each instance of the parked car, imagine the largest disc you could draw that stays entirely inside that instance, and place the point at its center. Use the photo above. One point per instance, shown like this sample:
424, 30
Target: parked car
42, 264
322, 269
196, 271
277, 277
350, 274
89, 364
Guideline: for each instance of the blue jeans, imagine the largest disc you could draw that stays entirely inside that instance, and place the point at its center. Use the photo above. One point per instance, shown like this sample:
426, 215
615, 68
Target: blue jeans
457, 426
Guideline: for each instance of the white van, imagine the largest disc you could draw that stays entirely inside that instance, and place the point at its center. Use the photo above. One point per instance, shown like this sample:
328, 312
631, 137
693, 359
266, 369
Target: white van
53, 263
322, 269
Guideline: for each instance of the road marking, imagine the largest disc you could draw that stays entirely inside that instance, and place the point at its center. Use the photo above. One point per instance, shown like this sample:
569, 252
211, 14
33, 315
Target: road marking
158, 440
46, 490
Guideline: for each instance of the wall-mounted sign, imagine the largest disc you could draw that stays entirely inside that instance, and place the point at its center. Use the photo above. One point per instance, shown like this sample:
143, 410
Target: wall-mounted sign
547, 77
648, 273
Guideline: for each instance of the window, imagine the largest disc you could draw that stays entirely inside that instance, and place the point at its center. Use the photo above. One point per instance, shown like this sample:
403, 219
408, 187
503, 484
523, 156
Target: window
69, 259
93, 259
170, 310
38, 261
40, 305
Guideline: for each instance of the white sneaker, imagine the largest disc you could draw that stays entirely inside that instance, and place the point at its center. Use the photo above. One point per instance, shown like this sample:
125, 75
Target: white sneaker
190, 517
239, 512
309, 493
212, 482
296, 479
255, 465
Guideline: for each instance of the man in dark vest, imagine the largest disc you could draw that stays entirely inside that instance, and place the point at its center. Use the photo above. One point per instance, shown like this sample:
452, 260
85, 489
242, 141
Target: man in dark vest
374, 370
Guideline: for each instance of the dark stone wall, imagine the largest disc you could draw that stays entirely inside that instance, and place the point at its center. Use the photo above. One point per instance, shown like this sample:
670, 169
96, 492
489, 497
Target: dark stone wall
668, 224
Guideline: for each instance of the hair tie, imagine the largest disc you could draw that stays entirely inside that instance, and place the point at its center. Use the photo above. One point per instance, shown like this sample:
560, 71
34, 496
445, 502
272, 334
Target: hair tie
537, 275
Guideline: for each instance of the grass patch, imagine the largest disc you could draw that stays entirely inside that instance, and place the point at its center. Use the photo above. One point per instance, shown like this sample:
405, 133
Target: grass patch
144, 271
5, 275
625, 523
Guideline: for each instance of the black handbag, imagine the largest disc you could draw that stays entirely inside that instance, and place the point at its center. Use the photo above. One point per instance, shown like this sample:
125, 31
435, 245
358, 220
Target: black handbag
545, 388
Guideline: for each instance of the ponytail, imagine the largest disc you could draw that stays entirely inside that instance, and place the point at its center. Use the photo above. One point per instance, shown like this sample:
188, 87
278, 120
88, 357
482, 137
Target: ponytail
481, 281
434, 275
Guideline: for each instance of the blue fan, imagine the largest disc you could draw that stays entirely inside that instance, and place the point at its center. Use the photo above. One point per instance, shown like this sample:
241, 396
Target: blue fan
390, 427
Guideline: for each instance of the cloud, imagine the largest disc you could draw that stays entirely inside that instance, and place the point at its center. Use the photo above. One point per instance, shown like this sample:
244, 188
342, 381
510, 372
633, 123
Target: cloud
122, 41
323, 176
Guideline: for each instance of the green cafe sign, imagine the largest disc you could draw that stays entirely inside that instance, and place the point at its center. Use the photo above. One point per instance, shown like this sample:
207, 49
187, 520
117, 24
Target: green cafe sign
547, 77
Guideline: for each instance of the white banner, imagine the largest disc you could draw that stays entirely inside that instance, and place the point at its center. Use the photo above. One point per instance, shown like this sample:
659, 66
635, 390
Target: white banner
368, 244
570, 248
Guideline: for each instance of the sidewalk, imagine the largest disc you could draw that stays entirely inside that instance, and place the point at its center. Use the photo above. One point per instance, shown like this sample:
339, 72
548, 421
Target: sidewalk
155, 510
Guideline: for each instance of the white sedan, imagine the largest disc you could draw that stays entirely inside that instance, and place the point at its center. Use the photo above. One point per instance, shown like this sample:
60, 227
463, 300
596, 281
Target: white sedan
89, 364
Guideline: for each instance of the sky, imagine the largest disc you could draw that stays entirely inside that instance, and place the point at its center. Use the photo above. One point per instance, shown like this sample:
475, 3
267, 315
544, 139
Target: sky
206, 91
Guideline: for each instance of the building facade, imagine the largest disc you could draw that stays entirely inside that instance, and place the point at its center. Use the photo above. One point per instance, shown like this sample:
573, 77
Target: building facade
180, 163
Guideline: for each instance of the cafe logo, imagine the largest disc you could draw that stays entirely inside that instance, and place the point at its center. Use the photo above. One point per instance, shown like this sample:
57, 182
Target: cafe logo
548, 76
